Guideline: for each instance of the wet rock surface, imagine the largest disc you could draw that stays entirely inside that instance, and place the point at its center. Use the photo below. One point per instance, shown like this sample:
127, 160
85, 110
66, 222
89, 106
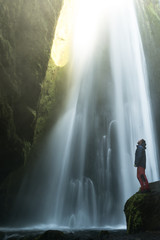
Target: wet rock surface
79, 235
143, 211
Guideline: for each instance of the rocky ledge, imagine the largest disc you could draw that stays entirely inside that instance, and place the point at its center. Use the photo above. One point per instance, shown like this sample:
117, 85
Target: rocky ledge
142, 210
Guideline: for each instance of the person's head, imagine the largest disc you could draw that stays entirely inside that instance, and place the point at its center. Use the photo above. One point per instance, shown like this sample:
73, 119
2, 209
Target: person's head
142, 142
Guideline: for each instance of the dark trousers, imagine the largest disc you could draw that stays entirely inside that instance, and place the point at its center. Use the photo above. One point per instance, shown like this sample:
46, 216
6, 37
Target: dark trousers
142, 178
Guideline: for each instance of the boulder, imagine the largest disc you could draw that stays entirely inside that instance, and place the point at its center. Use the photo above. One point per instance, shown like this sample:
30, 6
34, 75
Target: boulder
142, 210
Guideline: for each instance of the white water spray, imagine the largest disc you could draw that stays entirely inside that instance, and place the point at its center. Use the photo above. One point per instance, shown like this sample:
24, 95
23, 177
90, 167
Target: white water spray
88, 165
133, 111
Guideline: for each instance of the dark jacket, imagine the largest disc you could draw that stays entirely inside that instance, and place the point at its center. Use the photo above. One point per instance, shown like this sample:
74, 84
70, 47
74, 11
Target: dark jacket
140, 157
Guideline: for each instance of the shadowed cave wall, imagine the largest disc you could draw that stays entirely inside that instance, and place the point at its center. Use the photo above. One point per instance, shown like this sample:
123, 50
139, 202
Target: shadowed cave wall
26, 36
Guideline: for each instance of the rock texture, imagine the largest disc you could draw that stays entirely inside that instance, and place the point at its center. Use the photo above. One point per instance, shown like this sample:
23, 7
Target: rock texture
79, 235
143, 210
26, 35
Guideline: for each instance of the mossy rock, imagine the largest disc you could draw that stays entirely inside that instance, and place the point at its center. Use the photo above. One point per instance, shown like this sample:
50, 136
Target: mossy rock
52, 99
143, 212
27, 30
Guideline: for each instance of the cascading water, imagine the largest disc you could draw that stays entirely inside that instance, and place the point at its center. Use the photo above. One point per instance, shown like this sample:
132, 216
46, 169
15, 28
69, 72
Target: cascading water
87, 170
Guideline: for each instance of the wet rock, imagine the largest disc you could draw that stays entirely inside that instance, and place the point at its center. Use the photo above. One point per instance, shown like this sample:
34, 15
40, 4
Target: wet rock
103, 235
2, 235
85, 235
52, 235
143, 211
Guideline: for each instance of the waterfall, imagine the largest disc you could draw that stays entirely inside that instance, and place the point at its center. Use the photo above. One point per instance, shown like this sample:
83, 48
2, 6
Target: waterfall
132, 102
87, 168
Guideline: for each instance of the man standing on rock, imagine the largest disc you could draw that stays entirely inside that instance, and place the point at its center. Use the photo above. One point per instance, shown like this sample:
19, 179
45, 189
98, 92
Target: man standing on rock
140, 163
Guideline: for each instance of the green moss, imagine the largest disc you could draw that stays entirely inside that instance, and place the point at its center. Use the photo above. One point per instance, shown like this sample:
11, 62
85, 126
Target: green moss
26, 151
153, 12
51, 100
135, 212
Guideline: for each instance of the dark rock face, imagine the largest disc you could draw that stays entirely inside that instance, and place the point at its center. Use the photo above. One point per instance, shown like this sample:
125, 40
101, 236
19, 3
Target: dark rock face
27, 30
143, 211
26, 36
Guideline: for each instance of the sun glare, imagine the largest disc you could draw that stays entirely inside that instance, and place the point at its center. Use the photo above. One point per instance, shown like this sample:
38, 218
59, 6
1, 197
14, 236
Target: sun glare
61, 42
85, 24
78, 26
